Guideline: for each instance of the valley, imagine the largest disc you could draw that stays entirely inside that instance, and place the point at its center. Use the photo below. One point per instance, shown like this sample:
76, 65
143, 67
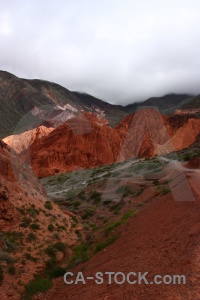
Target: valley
86, 185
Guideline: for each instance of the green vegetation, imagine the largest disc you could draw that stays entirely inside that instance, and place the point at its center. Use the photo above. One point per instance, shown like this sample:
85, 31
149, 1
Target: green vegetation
34, 226
51, 227
88, 213
81, 195
6, 257
25, 222
30, 257
76, 204
55, 272
50, 251
80, 255
31, 237
48, 205
106, 243
39, 285
165, 191
1, 275
96, 197
60, 247
11, 270
110, 227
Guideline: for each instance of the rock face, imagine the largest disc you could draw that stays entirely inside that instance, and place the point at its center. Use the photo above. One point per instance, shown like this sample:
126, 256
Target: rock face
185, 135
143, 132
21, 142
86, 141
81, 142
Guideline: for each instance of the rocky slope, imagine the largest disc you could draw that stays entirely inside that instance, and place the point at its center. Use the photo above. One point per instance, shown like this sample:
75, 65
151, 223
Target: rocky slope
161, 238
25, 216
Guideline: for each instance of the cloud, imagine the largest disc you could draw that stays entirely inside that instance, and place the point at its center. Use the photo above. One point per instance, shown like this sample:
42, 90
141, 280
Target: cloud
120, 51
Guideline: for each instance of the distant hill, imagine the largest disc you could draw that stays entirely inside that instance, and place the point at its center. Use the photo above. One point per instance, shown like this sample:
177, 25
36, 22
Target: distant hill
193, 104
21, 96
47, 103
166, 104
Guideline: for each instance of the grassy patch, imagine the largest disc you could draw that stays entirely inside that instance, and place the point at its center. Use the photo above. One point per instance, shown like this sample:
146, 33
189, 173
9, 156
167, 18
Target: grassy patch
106, 243
110, 227
39, 285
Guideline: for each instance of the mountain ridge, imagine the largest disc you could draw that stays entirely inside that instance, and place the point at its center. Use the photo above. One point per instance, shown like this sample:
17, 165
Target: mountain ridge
29, 103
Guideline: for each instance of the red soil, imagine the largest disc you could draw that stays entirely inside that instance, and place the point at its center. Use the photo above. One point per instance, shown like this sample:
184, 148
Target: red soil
163, 238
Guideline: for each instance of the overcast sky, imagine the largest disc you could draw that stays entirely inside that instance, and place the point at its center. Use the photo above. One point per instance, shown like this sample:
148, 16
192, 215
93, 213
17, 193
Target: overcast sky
118, 50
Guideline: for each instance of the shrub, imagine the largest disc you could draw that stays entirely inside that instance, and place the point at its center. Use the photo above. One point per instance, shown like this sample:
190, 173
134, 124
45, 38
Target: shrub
24, 176
56, 272
74, 218
187, 156
30, 257
96, 197
48, 205
1, 275
81, 195
25, 222
165, 191
33, 212
60, 247
11, 270
156, 182
31, 237
40, 285
50, 264
51, 227
88, 213
6, 257
76, 204
50, 251
34, 226
107, 201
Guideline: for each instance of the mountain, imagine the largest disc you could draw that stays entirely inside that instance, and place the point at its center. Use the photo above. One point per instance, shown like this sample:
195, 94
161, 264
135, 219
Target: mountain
193, 105
26, 104
166, 104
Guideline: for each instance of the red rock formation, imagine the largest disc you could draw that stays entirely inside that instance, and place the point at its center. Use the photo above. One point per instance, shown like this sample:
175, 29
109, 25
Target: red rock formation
81, 142
21, 142
186, 135
86, 141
